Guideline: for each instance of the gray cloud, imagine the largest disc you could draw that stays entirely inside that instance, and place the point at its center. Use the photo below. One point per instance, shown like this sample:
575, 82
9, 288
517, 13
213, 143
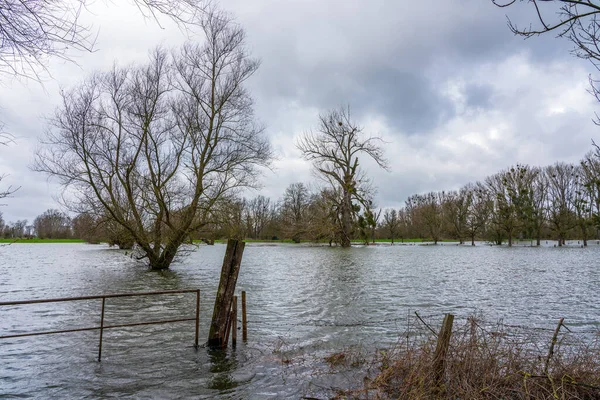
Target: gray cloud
454, 93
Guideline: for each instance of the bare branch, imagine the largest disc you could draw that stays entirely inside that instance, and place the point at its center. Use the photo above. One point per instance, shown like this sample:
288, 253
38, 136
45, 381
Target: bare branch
32, 31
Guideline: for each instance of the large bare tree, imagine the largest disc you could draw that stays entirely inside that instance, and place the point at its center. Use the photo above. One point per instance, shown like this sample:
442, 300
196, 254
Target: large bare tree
155, 147
334, 150
31, 31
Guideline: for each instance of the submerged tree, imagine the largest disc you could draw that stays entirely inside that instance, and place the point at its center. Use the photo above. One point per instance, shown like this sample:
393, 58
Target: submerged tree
391, 223
480, 209
155, 147
53, 224
561, 208
295, 214
334, 150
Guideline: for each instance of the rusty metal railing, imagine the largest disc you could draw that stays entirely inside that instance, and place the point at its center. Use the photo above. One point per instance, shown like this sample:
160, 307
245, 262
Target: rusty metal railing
102, 327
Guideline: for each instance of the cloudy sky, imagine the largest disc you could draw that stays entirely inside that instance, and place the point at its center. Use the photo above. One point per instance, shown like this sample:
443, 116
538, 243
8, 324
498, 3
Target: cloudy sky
454, 94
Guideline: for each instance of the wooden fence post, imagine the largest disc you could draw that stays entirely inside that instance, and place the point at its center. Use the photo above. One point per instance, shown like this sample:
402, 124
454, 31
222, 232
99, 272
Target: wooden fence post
234, 322
224, 299
244, 320
439, 357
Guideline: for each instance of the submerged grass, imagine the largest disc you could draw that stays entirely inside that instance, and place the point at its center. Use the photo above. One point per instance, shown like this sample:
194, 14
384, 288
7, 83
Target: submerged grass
487, 362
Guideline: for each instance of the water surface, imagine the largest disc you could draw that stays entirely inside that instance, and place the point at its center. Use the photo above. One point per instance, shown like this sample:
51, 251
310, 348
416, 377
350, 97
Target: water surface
304, 303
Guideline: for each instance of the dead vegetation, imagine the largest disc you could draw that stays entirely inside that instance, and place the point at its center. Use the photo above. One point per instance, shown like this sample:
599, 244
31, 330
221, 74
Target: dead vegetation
488, 361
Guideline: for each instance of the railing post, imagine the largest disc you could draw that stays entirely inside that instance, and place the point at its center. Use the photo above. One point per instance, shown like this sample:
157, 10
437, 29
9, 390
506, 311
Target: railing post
101, 329
244, 320
234, 322
197, 316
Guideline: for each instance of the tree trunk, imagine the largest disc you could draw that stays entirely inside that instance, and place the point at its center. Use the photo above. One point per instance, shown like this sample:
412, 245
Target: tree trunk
509, 240
473, 240
346, 219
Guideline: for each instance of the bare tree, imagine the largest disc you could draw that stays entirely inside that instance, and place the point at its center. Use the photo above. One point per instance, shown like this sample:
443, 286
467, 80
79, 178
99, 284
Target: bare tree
456, 207
562, 186
31, 31
259, 213
155, 147
480, 209
430, 214
391, 223
590, 166
512, 195
227, 218
295, 211
52, 224
324, 222
538, 212
367, 221
333, 151
583, 204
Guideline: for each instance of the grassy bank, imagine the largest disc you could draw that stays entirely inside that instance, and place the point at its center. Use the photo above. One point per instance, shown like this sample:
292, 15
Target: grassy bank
37, 240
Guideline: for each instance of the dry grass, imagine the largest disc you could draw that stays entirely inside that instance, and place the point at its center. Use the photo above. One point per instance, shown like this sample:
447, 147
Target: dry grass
490, 362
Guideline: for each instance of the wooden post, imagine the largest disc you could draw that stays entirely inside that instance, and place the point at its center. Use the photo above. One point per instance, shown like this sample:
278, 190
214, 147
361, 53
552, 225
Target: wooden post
234, 322
224, 299
101, 329
551, 350
443, 342
244, 320
197, 317
227, 329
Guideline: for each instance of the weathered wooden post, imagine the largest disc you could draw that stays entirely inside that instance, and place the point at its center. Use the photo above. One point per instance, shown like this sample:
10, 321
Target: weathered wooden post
234, 322
244, 319
439, 357
224, 299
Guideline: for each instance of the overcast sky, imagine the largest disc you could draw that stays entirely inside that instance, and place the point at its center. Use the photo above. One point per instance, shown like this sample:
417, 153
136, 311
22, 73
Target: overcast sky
454, 94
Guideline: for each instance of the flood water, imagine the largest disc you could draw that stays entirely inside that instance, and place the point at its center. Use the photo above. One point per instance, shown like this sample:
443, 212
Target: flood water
304, 303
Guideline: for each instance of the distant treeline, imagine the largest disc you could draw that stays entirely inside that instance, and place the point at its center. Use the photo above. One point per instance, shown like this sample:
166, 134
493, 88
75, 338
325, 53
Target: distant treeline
559, 202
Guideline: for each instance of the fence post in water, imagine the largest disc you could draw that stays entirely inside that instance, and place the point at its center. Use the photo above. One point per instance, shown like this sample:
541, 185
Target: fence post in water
244, 320
224, 299
227, 329
439, 357
234, 322
101, 329
197, 317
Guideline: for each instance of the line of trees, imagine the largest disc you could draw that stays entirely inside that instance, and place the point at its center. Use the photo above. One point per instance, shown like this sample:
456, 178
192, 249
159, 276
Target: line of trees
559, 202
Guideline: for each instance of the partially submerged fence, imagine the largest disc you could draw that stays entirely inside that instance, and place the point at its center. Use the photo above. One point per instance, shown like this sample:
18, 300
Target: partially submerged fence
102, 326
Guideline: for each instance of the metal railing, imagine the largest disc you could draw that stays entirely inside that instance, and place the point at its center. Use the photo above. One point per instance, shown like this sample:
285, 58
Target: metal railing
102, 327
